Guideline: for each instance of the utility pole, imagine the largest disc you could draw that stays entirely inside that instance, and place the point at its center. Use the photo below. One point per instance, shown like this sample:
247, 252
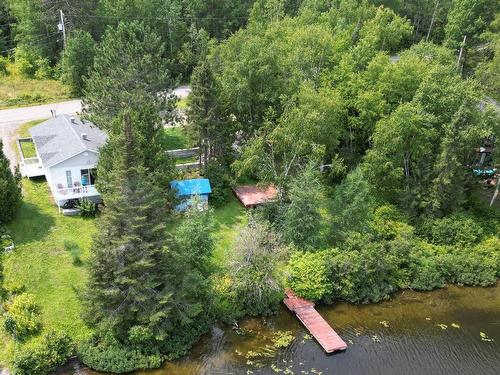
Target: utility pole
461, 52
61, 26
432, 21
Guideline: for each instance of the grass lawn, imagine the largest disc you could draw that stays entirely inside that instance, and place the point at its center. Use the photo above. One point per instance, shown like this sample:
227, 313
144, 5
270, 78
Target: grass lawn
176, 138
28, 149
228, 219
42, 266
16, 91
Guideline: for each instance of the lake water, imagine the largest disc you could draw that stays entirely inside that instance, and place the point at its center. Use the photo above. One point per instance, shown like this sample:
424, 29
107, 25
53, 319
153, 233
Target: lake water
435, 332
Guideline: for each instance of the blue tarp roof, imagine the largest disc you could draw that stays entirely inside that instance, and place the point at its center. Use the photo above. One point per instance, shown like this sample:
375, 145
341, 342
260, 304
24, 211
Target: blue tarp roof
191, 187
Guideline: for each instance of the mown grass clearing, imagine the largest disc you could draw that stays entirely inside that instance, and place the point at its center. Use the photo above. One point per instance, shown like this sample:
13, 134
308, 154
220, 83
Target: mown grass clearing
41, 266
176, 138
16, 91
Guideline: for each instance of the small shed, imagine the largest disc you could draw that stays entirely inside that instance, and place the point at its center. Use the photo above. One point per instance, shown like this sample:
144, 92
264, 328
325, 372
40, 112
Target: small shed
253, 195
188, 190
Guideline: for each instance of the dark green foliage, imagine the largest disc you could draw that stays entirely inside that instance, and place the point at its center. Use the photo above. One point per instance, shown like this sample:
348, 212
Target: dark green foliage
107, 354
129, 71
10, 189
302, 221
129, 262
44, 355
220, 181
352, 206
23, 317
77, 60
208, 124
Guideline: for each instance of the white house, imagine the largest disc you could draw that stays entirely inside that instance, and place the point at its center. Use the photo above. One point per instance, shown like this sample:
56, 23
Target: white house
67, 151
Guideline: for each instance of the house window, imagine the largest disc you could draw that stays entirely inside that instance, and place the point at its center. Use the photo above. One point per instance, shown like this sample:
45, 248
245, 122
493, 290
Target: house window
69, 179
88, 176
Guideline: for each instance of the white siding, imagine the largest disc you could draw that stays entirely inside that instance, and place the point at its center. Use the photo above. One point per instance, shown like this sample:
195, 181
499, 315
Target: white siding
57, 174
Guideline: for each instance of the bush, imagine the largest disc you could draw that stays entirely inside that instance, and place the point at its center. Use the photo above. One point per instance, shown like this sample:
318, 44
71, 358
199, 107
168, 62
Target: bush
43, 69
43, 356
87, 208
469, 267
220, 180
426, 267
107, 354
75, 251
310, 274
453, 230
225, 303
23, 317
10, 189
4, 61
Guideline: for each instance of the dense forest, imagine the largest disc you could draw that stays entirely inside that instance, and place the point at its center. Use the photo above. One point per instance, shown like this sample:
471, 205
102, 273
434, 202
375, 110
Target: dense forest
367, 116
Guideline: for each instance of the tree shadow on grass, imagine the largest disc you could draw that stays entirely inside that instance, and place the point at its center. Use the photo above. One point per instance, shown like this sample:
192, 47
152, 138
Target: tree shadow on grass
31, 222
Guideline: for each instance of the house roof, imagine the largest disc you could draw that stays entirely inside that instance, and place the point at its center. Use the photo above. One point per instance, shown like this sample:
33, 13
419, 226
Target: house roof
253, 195
191, 187
59, 139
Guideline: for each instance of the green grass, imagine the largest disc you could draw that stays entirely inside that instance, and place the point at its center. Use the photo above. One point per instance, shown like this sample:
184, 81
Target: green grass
176, 138
43, 262
41, 265
28, 149
228, 220
17, 91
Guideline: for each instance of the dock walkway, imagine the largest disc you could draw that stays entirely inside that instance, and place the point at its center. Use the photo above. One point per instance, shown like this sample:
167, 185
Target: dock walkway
317, 326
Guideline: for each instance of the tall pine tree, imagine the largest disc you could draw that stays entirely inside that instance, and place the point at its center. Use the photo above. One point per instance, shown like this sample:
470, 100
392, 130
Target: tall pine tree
131, 73
128, 287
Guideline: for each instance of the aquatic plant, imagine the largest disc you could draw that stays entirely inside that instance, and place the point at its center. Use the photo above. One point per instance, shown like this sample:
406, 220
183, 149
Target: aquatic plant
282, 339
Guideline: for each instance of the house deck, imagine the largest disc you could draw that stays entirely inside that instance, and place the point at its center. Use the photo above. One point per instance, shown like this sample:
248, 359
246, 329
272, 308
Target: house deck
253, 195
310, 318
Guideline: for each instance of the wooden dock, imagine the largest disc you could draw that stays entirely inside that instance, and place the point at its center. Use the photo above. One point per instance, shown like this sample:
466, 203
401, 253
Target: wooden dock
317, 326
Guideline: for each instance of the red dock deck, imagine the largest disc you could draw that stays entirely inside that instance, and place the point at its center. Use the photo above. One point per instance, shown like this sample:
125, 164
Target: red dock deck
310, 318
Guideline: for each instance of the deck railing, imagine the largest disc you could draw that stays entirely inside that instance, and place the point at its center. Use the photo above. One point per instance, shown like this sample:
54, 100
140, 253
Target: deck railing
76, 192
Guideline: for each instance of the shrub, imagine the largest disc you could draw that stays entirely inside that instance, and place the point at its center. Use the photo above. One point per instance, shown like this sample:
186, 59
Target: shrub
75, 251
25, 62
44, 355
23, 317
4, 61
225, 303
107, 354
43, 69
10, 189
220, 180
426, 267
87, 208
469, 267
310, 274
453, 230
